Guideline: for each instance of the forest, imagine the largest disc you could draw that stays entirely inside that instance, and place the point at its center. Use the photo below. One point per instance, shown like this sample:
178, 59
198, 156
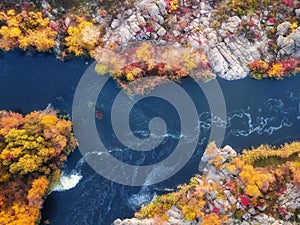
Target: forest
32, 151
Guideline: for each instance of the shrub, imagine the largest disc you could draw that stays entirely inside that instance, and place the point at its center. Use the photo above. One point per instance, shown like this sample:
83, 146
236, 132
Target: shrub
248, 184
145, 59
26, 29
277, 70
82, 38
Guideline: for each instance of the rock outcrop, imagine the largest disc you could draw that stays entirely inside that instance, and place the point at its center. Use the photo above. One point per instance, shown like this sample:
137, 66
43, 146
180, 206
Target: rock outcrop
229, 52
238, 206
230, 44
289, 46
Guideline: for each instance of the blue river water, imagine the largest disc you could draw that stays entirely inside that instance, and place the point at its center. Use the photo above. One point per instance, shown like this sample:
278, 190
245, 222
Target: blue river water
259, 112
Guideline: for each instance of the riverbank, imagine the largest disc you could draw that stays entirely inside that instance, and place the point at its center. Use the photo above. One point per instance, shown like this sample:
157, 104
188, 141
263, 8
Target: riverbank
230, 36
259, 115
33, 149
259, 186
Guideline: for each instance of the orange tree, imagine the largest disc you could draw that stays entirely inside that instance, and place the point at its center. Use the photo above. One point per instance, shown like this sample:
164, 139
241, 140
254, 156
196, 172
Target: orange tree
25, 29
32, 151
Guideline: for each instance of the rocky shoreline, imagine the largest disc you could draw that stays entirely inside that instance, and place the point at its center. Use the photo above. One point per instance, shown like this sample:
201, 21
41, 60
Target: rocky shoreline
227, 51
228, 58
230, 44
214, 198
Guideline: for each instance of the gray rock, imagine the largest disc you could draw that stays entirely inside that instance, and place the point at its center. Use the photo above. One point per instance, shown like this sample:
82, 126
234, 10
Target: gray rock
286, 44
203, 12
217, 62
207, 30
231, 29
134, 27
233, 23
245, 18
213, 195
117, 222
45, 5
246, 216
232, 199
175, 213
144, 4
229, 150
159, 19
115, 23
67, 21
154, 36
161, 32
162, 7
162, 42
99, 19
203, 46
128, 12
194, 44
212, 40
134, 221
188, 28
125, 35
203, 5
141, 19
233, 46
213, 43
205, 22
49, 15
55, 11
156, 26
296, 36
245, 223
297, 11
176, 33
196, 21
194, 24
211, 150
153, 10
132, 18
252, 211
211, 35
283, 28
280, 15
227, 56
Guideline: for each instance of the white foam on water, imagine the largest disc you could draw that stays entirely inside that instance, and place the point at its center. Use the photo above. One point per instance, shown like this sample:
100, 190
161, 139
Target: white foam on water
137, 200
68, 182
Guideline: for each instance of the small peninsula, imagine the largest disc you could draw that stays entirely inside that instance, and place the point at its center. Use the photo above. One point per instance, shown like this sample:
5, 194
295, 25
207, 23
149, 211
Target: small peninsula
33, 149
259, 186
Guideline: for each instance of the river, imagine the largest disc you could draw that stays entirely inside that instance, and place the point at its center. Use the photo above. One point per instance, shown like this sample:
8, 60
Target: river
259, 112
